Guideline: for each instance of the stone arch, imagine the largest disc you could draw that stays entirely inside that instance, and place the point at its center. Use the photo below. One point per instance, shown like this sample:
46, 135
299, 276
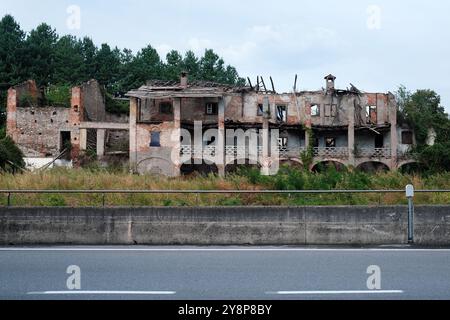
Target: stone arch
233, 167
338, 164
292, 162
157, 166
190, 167
373, 166
410, 166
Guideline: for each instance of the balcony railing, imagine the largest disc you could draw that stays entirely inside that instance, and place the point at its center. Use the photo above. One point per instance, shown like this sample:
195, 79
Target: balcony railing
377, 153
236, 152
340, 153
197, 152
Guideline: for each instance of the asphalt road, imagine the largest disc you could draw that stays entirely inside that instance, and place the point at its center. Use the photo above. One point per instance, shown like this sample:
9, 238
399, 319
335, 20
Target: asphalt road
228, 273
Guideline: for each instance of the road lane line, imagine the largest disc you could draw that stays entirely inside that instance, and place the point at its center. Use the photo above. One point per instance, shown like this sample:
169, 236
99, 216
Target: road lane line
350, 292
103, 293
214, 250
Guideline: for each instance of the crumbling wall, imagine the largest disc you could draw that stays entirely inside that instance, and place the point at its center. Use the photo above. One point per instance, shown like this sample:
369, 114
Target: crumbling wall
193, 109
93, 102
35, 128
38, 130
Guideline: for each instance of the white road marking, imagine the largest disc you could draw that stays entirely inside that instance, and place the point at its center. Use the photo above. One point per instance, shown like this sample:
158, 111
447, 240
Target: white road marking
405, 250
102, 293
362, 292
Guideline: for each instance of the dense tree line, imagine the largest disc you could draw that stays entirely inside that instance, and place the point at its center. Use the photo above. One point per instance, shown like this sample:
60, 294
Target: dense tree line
51, 59
59, 62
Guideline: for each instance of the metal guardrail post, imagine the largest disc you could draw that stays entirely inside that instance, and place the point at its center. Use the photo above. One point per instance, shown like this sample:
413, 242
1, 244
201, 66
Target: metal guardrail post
410, 196
9, 199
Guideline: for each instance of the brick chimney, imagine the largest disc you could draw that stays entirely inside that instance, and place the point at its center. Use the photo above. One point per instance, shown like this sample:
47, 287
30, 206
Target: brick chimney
184, 80
330, 82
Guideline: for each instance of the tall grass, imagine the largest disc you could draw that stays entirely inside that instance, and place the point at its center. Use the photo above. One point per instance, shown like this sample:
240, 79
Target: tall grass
247, 179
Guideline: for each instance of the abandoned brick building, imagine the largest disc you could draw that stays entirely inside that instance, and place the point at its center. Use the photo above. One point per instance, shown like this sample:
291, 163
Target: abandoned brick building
47, 134
346, 127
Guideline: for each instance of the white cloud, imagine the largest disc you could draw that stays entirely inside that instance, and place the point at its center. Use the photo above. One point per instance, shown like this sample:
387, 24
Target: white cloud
163, 49
198, 45
264, 33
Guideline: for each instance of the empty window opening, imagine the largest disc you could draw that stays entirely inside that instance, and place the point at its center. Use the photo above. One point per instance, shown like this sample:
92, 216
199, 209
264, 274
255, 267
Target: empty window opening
55, 113
260, 110
371, 115
330, 142
166, 108
282, 113
316, 143
330, 110
315, 110
155, 139
51, 120
283, 142
212, 109
407, 137
379, 141
66, 140
76, 109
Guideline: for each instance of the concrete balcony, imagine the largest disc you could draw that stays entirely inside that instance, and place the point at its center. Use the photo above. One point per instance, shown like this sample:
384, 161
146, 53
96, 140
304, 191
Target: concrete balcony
198, 152
334, 153
374, 153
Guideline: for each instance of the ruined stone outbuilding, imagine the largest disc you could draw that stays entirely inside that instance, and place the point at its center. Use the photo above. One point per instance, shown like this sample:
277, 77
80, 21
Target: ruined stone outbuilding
46, 133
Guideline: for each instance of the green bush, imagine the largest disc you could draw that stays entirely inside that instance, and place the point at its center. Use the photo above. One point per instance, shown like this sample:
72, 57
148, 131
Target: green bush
117, 107
54, 201
58, 96
26, 100
11, 157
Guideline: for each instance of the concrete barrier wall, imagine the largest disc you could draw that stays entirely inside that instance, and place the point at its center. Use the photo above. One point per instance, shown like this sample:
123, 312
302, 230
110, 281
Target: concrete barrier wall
223, 226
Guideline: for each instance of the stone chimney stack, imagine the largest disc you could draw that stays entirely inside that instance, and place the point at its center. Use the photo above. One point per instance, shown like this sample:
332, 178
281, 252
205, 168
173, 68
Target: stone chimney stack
330, 82
184, 80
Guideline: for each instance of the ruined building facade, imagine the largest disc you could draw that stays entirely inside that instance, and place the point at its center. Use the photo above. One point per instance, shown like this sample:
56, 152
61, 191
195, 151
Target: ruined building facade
182, 127
347, 128
48, 133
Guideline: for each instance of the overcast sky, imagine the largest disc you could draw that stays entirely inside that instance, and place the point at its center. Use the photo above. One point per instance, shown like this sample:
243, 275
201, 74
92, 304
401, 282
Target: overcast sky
376, 45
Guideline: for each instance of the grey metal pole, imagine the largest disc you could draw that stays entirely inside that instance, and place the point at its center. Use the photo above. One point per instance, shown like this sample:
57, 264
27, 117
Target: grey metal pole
410, 221
410, 196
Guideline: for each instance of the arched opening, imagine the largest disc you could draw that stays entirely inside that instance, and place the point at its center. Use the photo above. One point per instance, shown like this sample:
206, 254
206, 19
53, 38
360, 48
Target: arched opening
411, 168
291, 164
373, 167
239, 165
204, 169
326, 165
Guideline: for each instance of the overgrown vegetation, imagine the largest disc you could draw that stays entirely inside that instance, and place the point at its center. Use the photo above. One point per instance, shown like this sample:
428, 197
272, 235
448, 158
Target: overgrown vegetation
11, 158
58, 96
246, 179
115, 106
423, 112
